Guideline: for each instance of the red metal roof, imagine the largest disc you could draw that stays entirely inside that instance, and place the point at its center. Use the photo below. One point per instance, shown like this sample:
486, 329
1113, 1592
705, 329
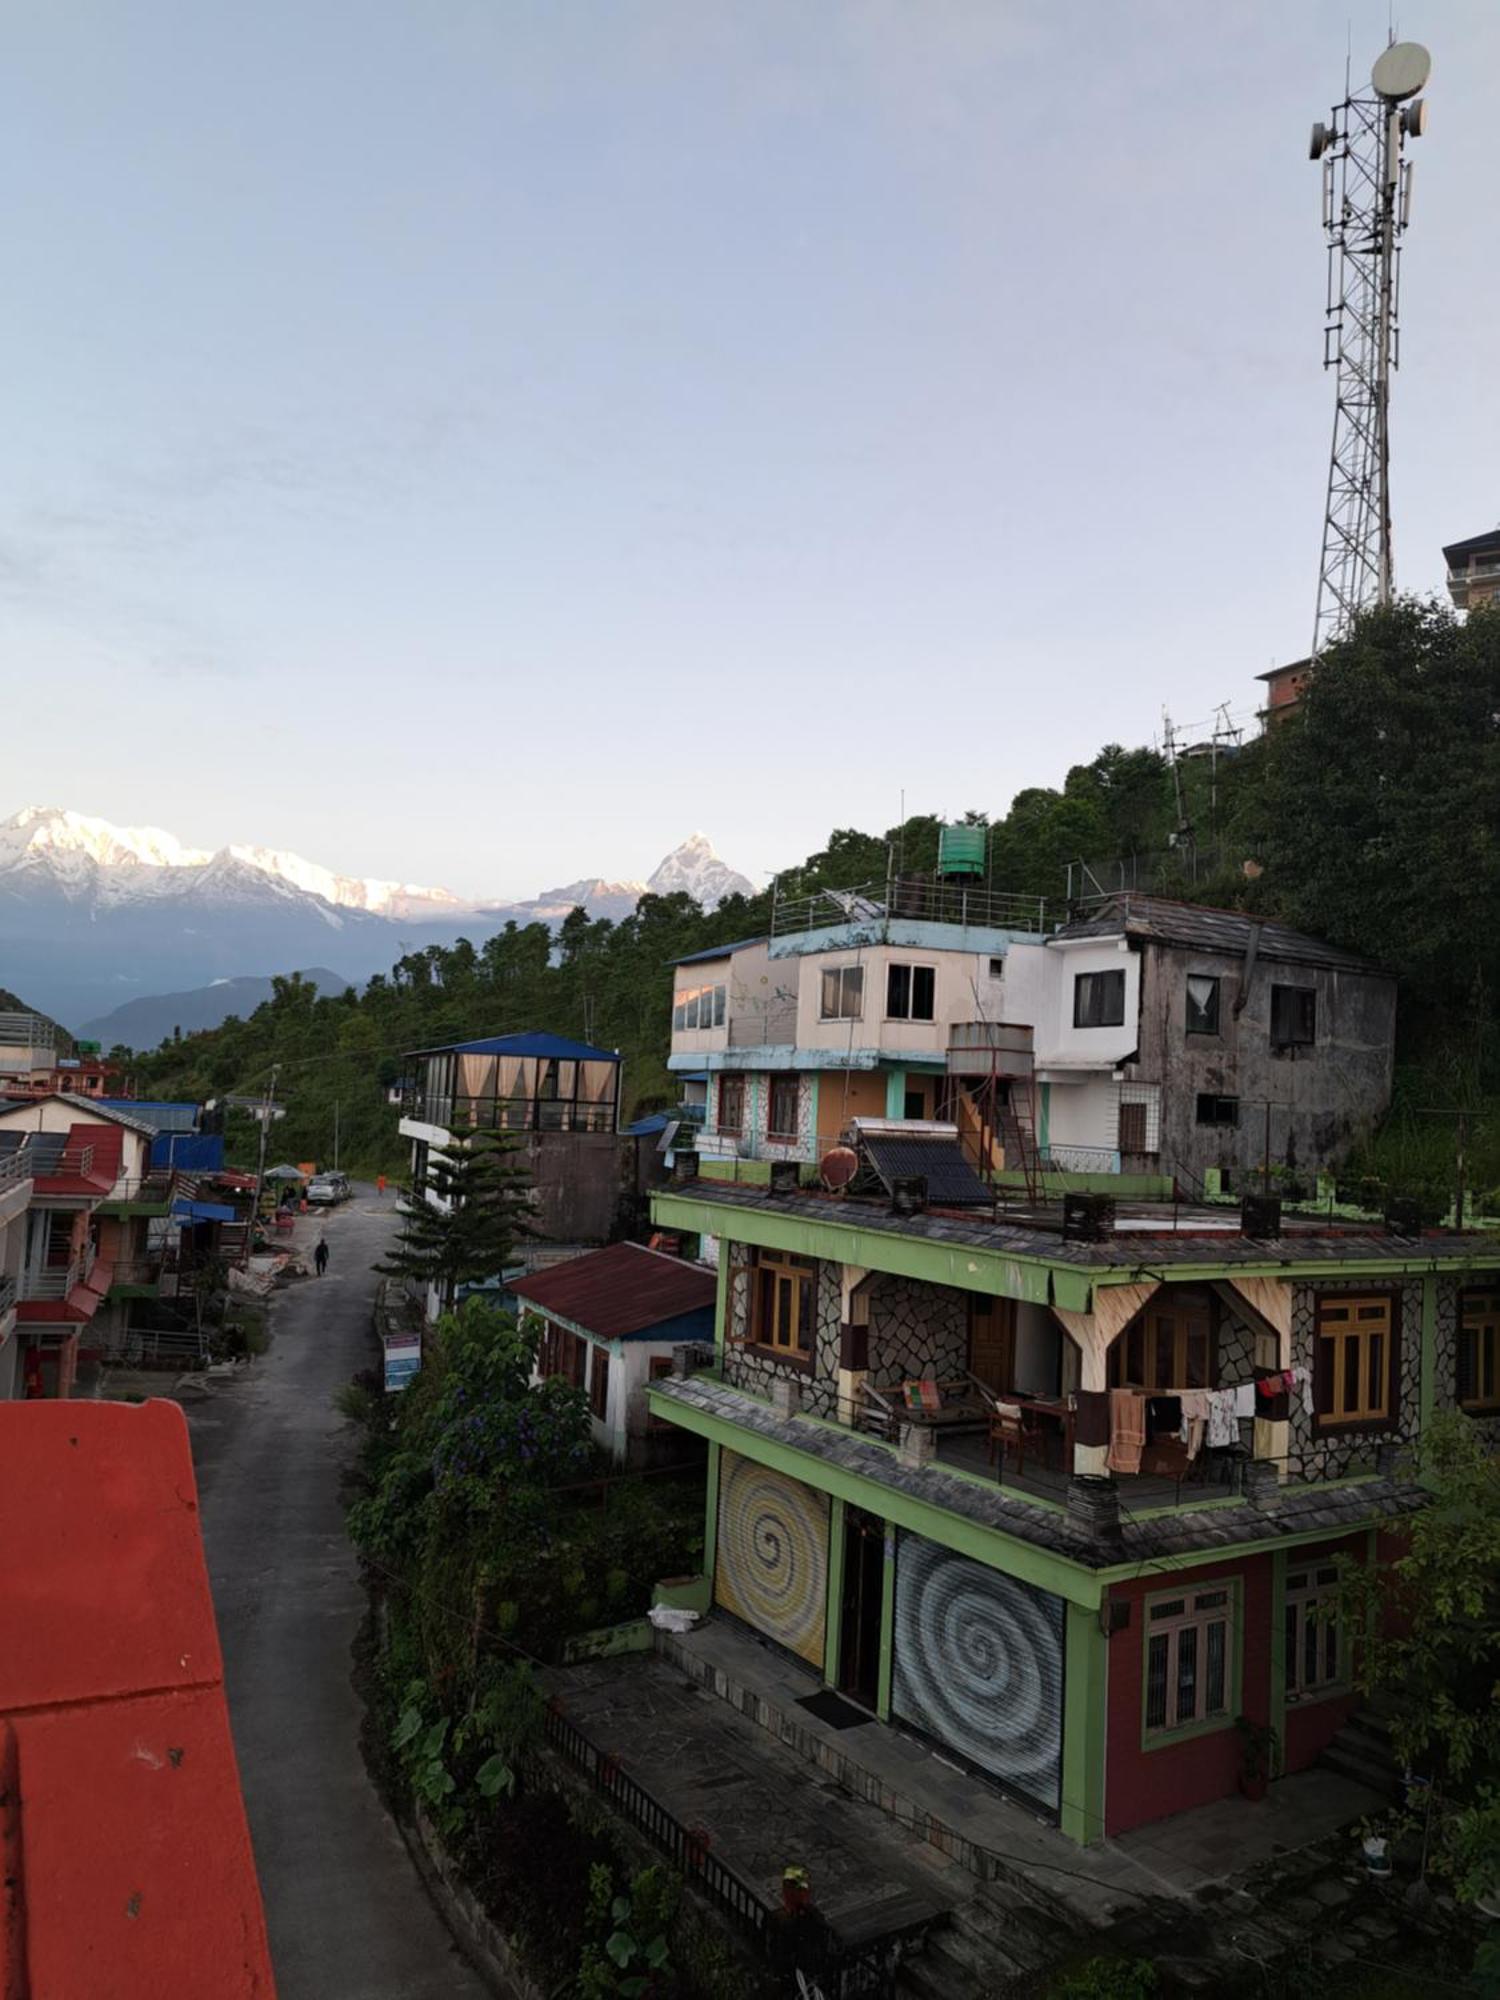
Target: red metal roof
90, 1163
123, 1836
622, 1290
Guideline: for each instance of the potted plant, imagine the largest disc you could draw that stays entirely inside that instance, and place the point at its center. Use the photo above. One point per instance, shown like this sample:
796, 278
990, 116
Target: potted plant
796, 1890
1258, 1746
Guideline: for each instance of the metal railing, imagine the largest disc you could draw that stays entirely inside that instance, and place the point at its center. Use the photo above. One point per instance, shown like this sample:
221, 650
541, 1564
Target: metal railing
459, 1114
872, 906
798, 1953
772, 1026
57, 1281
15, 1167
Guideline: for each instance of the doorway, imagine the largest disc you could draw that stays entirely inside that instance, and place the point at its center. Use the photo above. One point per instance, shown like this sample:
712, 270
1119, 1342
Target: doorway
863, 1602
992, 1341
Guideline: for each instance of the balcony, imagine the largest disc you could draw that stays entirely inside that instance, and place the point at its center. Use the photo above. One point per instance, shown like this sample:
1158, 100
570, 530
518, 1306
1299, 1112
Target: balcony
458, 1114
56, 1280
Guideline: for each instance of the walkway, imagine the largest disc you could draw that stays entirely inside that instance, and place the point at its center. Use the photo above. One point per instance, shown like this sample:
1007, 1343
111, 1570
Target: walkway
348, 1916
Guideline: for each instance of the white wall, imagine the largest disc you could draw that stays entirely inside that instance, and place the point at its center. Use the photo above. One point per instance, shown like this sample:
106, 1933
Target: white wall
1057, 1040
962, 991
48, 1115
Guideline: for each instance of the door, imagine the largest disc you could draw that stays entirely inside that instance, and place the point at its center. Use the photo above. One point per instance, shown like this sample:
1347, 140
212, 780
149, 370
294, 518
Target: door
992, 1341
771, 1566
978, 1665
860, 1611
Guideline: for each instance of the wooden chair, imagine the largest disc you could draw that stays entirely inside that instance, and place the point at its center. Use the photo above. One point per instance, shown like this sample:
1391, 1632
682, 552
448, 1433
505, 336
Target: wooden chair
1007, 1431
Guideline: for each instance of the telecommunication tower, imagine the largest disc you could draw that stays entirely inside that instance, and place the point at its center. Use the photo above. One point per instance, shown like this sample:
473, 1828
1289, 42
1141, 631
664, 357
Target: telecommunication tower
1366, 206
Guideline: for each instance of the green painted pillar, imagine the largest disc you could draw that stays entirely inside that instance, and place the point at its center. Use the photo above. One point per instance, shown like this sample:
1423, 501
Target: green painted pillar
1428, 1392
895, 1093
833, 1621
721, 1305
1277, 1714
1085, 1713
887, 1626
711, 1513
1044, 1127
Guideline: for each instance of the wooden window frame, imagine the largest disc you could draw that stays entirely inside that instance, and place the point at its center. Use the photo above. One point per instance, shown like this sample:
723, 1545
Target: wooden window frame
1330, 1370
1308, 1589
599, 1372
1083, 981
783, 1082
795, 1344
735, 1081
1215, 1602
1483, 1308
1143, 1338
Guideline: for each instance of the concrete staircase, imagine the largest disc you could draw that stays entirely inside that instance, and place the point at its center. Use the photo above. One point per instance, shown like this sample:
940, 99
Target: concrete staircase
1362, 1750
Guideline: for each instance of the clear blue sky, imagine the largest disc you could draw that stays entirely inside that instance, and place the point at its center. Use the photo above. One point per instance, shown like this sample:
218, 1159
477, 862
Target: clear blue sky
478, 441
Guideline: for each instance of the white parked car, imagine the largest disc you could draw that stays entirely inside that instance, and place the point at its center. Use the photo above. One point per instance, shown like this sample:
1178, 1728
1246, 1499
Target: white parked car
326, 1190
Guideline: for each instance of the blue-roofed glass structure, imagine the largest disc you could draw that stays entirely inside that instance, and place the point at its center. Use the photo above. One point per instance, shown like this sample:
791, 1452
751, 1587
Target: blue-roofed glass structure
530, 1082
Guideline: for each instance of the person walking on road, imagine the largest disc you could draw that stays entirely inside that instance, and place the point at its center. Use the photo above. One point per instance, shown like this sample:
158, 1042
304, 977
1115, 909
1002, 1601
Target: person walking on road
320, 1255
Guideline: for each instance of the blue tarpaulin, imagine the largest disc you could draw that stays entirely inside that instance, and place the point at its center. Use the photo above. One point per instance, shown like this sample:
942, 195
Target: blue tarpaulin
201, 1211
190, 1152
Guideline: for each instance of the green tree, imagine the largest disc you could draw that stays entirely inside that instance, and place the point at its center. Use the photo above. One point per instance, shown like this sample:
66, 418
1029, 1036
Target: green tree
468, 1235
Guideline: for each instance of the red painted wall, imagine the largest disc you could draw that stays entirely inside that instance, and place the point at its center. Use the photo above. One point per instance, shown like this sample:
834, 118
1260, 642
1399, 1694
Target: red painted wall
1142, 1785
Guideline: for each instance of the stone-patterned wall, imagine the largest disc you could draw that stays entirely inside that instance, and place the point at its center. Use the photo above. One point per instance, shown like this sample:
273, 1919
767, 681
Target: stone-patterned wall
1236, 1347
754, 1370
916, 1329
1445, 1372
1314, 1455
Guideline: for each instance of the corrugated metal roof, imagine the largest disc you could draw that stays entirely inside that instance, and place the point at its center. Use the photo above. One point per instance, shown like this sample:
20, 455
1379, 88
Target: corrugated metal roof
1196, 927
950, 1178
624, 1289
74, 1102
161, 1115
717, 951
535, 1042
1475, 545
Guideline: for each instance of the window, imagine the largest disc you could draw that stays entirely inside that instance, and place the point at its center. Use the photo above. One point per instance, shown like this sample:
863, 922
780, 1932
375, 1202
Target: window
914, 1104
575, 1358
997, 968
1479, 1351
1353, 1360
1214, 1110
843, 992
784, 1304
781, 1120
1311, 1650
1294, 1017
910, 992
661, 1365
599, 1384
1202, 1004
732, 1104
1188, 1659
1132, 1134
1168, 1347
1099, 1000
698, 1007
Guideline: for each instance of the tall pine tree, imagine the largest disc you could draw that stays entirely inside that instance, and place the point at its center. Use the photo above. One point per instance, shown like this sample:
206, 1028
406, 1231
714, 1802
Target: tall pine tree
469, 1234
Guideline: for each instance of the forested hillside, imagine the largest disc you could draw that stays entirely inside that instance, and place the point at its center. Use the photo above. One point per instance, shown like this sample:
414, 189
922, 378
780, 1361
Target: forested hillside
1373, 819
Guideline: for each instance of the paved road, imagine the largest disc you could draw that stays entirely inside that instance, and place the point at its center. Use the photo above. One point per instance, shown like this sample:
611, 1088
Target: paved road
348, 1916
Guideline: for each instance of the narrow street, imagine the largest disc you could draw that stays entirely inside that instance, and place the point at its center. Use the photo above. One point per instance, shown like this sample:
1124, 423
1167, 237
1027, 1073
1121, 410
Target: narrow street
348, 1916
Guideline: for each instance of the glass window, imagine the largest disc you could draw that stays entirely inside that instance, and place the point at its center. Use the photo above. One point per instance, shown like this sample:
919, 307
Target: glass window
1099, 1000
1188, 1659
843, 992
732, 1104
1169, 1347
1479, 1351
1202, 1004
1215, 1110
910, 992
1312, 1651
1294, 1017
599, 1383
781, 1121
784, 1302
1353, 1360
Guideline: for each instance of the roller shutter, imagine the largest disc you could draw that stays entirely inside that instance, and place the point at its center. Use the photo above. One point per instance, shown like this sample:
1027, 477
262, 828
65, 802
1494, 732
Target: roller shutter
771, 1563
978, 1665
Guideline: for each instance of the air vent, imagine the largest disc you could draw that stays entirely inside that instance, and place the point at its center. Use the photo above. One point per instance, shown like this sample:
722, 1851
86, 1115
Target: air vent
1260, 1216
909, 1194
1088, 1218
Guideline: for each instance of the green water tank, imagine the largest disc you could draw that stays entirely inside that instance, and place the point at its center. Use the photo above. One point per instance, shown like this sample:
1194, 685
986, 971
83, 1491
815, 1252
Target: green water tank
961, 850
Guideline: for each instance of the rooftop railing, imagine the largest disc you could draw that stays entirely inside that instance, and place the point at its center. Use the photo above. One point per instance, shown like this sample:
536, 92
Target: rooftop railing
15, 1167
873, 906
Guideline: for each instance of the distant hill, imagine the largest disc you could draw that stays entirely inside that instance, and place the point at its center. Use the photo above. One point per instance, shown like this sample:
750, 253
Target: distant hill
146, 1023
12, 1003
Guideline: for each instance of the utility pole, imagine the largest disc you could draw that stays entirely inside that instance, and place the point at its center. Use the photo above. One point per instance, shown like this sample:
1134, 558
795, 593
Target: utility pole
335, 1135
267, 1103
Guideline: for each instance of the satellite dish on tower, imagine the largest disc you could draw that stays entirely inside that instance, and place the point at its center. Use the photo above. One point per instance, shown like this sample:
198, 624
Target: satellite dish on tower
838, 1167
1401, 70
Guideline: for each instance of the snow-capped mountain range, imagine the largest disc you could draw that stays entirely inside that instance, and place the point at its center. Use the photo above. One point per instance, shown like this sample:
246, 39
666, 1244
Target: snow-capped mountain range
92, 914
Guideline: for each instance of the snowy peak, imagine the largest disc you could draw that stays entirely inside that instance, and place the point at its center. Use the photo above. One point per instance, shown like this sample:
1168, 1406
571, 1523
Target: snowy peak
73, 841
695, 869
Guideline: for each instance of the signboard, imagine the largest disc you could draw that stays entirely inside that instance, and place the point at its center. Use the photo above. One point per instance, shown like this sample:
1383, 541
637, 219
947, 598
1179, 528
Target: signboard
403, 1357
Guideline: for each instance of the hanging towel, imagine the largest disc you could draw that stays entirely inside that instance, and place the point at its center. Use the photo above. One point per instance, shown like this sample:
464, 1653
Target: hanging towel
1195, 1408
1244, 1399
1127, 1430
1222, 1426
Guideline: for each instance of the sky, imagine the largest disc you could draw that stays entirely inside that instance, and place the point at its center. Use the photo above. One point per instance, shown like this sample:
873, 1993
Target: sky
480, 441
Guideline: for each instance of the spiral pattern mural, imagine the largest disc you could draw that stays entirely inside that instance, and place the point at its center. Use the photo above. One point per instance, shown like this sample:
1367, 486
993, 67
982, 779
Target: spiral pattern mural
771, 1567
979, 1665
